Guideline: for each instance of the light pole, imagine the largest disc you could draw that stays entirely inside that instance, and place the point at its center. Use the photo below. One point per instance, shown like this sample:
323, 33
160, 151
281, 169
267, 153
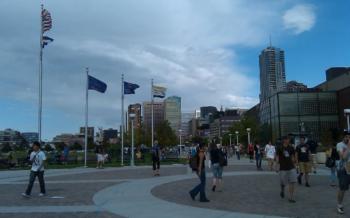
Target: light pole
230, 139
248, 131
347, 114
180, 135
237, 137
132, 161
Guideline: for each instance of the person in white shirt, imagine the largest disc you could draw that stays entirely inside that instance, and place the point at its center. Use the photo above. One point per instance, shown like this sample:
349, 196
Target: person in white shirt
37, 158
270, 152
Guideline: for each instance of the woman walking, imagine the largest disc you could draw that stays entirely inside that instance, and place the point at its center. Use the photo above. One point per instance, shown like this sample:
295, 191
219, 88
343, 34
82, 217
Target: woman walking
332, 158
200, 188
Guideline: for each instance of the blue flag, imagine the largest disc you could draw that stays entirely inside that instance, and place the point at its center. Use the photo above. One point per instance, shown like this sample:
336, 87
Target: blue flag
97, 85
129, 88
46, 40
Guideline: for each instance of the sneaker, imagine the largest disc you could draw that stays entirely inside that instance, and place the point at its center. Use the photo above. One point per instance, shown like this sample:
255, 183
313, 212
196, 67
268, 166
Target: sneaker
205, 200
41, 195
307, 185
25, 195
214, 187
340, 209
282, 194
192, 196
292, 201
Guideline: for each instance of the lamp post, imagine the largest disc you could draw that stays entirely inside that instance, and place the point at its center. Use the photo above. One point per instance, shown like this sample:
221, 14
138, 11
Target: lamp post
248, 131
132, 161
237, 137
180, 136
347, 114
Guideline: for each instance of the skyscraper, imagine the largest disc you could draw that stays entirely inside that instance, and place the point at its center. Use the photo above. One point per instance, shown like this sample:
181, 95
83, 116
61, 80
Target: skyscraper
172, 112
272, 72
158, 108
135, 109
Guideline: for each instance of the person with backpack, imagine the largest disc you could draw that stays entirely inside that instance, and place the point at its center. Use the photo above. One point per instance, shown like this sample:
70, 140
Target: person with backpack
303, 158
332, 157
217, 164
37, 158
156, 159
199, 159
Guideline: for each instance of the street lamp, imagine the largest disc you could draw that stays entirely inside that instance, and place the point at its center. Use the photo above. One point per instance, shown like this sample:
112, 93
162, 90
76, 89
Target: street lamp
132, 161
248, 131
180, 135
347, 114
237, 137
230, 139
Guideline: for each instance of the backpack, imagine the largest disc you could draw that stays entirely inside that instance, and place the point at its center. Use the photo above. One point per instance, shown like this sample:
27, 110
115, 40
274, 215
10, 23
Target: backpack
193, 161
222, 159
330, 162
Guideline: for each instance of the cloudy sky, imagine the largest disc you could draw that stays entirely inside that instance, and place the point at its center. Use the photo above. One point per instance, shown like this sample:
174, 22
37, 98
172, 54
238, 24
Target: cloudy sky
205, 51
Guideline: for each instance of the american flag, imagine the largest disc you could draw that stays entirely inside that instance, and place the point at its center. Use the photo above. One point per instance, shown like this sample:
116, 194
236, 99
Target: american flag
46, 20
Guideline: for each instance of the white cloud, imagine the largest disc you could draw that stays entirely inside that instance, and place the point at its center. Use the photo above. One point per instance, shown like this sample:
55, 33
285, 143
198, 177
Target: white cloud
300, 18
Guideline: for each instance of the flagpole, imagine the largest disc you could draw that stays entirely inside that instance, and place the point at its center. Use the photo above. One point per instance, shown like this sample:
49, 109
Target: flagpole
122, 130
86, 114
152, 101
40, 75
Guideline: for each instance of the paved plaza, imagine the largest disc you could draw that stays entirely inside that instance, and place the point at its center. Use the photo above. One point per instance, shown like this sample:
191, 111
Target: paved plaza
134, 192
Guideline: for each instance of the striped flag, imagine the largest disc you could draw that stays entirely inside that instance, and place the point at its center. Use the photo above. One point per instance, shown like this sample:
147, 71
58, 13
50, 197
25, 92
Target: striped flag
46, 20
158, 91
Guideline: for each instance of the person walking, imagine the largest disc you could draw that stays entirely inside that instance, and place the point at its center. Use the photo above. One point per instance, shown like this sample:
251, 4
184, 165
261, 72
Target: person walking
200, 188
215, 165
270, 152
37, 158
156, 159
343, 169
251, 152
303, 158
313, 150
238, 151
286, 161
100, 156
258, 152
332, 157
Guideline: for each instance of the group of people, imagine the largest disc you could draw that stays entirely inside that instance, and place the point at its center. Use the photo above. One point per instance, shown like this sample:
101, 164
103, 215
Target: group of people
292, 163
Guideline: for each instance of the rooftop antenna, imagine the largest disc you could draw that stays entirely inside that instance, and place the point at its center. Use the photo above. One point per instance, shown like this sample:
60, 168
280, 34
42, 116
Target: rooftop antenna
270, 40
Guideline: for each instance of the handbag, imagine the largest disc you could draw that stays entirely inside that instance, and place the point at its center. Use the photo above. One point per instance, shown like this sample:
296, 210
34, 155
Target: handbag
330, 163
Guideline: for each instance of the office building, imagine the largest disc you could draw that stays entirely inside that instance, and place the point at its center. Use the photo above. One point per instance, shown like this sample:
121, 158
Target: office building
294, 86
207, 111
69, 139
12, 138
272, 72
110, 136
30, 137
158, 108
90, 131
172, 112
334, 72
186, 117
136, 110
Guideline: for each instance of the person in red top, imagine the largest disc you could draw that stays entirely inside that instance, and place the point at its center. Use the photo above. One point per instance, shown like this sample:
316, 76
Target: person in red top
251, 152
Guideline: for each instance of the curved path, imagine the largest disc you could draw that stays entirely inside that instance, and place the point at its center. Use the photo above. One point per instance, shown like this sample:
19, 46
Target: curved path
134, 199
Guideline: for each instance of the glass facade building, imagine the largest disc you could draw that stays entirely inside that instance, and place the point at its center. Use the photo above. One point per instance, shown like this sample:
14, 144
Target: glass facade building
172, 112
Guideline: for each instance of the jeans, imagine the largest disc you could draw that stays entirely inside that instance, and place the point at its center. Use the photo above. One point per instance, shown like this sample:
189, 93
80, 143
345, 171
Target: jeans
32, 176
258, 161
238, 155
333, 176
200, 188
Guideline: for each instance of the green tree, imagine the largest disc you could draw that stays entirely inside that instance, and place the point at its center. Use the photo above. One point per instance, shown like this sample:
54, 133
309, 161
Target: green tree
165, 134
6, 148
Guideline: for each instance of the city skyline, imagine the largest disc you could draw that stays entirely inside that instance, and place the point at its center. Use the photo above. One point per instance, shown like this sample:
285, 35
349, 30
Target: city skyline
216, 63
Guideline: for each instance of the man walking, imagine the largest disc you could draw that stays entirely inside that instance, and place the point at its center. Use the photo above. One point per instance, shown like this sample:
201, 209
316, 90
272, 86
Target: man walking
286, 160
156, 159
258, 152
37, 158
200, 188
303, 157
343, 167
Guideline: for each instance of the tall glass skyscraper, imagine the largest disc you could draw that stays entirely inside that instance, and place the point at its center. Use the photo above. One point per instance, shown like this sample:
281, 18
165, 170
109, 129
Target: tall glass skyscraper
172, 112
272, 72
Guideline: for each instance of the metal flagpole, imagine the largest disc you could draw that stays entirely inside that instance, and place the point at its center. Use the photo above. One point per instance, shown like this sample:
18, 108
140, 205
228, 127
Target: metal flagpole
40, 75
152, 100
86, 113
122, 114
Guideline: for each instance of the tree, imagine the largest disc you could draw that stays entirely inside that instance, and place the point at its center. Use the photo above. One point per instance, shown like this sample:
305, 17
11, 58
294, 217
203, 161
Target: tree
6, 148
165, 134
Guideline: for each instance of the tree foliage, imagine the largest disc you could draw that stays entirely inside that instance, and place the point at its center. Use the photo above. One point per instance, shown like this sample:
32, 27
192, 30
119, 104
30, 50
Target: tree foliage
165, 134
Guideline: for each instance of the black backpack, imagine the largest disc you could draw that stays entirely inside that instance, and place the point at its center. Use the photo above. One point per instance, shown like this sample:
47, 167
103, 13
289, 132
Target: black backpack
222, 159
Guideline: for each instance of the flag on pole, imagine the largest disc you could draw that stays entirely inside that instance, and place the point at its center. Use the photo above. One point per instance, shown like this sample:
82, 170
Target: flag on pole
97, 85
129, 88
46, 40
46, 20
158, 91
